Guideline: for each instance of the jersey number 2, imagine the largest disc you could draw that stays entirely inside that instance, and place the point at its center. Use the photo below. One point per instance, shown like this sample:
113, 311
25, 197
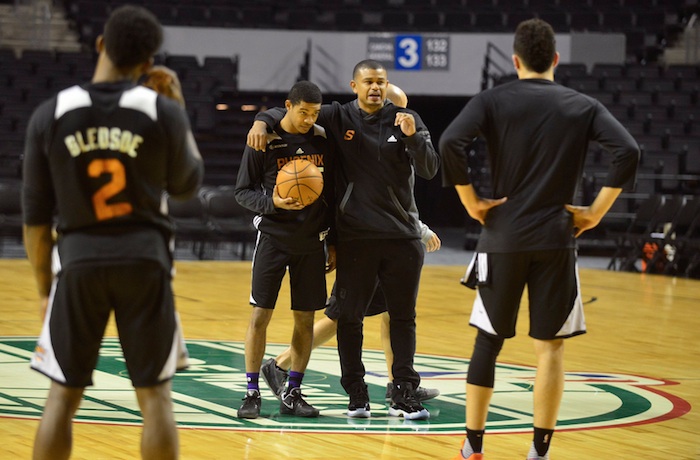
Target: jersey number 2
117, 183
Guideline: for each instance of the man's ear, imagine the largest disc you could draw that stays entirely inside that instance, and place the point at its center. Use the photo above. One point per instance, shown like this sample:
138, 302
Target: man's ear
516, 62
288, 105
555, 62
353, 86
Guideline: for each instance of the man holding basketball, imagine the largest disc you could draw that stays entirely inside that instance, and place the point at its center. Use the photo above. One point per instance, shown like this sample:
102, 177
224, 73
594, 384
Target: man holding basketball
290, 236
537, 134
380, 149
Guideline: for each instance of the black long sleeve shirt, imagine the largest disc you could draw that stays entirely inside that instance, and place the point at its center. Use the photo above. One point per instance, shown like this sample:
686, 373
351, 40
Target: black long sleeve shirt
537, 135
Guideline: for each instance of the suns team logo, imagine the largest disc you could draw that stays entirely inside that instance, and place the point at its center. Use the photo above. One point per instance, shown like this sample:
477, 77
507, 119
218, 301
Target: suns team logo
208, 394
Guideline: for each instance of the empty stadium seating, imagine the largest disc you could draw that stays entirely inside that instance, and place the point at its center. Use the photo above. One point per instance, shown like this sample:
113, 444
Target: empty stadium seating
658, 104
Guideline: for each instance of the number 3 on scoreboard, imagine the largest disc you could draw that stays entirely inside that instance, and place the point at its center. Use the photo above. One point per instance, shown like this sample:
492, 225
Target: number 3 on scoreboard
117, 183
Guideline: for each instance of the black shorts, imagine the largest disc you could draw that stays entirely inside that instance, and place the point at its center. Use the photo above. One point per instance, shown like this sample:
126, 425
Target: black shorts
377, 305
307, 277
80, 303
554, 294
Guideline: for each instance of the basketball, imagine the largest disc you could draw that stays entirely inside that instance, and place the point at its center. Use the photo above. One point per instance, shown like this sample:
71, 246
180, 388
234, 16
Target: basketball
300, 179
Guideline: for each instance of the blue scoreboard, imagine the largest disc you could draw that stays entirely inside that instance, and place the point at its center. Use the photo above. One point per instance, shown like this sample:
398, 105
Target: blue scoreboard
410, 52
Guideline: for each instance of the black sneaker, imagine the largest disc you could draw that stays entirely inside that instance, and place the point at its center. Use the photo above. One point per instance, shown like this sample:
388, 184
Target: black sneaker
293, 404
275, 377
359, 401
422, 394
404, 403
251, 405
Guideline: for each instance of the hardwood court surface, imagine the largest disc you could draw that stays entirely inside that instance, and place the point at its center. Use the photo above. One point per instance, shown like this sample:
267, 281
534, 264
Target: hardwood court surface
640, 325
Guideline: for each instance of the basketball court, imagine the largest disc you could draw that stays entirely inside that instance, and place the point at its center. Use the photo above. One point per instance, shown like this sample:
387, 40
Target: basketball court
632, 383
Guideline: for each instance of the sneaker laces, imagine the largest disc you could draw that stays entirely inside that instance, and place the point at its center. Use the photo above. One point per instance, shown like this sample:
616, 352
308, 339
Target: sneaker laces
409, 397
251, 394
301, 401
358, 393
295, 393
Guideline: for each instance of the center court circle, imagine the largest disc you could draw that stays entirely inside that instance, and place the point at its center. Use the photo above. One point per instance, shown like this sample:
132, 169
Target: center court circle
207, 395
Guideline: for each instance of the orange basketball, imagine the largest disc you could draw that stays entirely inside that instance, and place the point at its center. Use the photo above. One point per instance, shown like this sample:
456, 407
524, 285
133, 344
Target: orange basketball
164, 81
300, 179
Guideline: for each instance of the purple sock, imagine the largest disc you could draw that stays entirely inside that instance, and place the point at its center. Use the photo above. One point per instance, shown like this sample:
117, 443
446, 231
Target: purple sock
295, 379
253, 379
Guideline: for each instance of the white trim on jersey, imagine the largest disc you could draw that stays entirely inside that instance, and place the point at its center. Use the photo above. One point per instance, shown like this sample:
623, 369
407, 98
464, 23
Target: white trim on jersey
576, 322
479, 317
71, 98
44, 358
252, 264
183, 355
142, 99
55, 262
170, 365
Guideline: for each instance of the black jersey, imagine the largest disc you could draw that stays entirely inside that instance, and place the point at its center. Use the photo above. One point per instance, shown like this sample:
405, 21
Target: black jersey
376, 169
103, 155
537, 135
294, 232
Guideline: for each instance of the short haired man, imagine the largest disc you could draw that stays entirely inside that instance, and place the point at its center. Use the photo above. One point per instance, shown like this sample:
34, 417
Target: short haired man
103, 156
537, 134
290, 236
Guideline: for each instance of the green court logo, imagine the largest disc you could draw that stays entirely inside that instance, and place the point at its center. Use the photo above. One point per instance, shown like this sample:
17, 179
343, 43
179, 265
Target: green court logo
208, 394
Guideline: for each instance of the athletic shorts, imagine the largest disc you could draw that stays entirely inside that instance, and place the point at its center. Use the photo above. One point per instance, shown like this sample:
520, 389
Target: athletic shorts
377, 305
307, 277
81, 300
554, 294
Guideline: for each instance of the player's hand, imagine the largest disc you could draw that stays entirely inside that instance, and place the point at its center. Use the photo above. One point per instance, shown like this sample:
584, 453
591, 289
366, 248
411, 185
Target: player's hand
482, 206
289, 203
257, 136
433, 243
330, 259
584, 219
406, 122
476, 207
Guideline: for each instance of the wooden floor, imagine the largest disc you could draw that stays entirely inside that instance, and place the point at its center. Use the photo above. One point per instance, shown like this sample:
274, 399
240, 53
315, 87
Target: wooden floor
641, 325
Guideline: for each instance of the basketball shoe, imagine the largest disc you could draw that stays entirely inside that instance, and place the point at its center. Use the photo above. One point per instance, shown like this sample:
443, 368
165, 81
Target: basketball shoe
404, 403
422, 394
251, 405
293, 404
275, 377
359, 401
533, 455
459, 456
